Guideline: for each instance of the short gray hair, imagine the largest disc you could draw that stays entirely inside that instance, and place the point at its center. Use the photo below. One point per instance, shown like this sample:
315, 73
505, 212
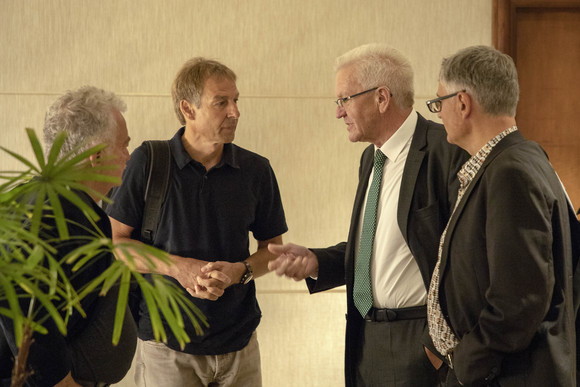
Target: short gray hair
378, 64
190, 79
86, 115
487, 75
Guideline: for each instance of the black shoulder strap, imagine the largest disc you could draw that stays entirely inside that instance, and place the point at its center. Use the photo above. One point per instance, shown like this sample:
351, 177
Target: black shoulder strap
157, 182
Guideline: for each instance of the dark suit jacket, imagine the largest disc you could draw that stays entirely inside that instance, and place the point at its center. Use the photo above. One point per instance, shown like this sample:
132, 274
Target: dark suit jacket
506, 273
428, 190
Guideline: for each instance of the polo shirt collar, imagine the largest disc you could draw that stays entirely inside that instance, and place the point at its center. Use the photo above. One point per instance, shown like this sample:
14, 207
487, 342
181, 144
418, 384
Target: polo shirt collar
182, 158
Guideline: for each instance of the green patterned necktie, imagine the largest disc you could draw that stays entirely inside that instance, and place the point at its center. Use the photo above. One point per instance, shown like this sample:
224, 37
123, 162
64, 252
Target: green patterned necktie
362, 292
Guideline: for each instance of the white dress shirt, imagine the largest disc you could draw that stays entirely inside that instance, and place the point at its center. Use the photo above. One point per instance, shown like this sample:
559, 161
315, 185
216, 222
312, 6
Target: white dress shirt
396, 279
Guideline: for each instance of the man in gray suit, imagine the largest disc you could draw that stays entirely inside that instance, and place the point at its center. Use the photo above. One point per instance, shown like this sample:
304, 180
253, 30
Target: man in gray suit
405, 193
500, 303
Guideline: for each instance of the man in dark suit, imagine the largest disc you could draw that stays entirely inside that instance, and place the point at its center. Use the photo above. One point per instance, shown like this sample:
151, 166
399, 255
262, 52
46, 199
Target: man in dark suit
416, 167
500, 303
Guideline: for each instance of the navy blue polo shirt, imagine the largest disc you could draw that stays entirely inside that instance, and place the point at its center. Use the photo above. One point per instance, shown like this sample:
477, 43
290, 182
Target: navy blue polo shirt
208, 215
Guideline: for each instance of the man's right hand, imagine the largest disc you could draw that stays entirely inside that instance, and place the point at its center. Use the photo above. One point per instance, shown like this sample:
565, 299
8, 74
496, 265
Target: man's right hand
296, 262
206, 285
68, 381
187, 271
435, 361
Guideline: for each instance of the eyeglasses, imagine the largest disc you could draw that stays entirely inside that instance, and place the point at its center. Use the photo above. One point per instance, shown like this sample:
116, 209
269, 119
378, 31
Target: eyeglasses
434, 105
340, 102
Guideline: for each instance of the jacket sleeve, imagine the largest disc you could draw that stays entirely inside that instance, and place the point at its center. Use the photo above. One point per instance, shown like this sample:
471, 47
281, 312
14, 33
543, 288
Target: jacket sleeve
330, 268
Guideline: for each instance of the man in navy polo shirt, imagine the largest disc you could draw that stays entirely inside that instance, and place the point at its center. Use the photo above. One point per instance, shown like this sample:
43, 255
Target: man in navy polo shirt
218, 193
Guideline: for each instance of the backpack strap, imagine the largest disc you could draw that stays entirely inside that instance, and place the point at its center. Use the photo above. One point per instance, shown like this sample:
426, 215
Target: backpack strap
159, 168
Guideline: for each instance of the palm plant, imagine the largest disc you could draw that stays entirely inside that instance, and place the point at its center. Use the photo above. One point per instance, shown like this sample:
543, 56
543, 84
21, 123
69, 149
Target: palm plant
30, 271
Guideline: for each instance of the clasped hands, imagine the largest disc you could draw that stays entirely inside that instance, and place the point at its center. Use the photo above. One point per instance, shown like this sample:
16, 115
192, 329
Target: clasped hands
208, 280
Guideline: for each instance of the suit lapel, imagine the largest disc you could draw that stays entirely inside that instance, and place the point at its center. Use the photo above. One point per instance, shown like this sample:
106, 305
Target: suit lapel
505, 143
410, 174
364, 174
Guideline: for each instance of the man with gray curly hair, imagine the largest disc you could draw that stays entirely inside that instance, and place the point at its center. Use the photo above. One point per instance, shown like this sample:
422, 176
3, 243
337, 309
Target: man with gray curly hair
500, 303
90, 116
86, 355
404, 196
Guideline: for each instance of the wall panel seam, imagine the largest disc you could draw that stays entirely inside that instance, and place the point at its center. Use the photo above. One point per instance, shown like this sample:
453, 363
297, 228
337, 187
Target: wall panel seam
153, 95
258, 291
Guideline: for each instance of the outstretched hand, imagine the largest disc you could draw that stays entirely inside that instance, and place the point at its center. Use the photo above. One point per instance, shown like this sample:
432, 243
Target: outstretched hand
294, 261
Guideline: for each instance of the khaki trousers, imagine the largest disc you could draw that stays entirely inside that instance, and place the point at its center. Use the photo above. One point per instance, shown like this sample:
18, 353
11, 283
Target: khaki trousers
157, 365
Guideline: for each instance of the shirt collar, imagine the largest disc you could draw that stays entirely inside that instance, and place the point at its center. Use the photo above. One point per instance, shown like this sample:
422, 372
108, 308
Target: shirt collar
472, 166
394, 146
182, 158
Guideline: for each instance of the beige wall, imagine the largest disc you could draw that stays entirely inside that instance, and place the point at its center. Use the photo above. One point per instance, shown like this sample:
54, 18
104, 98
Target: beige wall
283, 53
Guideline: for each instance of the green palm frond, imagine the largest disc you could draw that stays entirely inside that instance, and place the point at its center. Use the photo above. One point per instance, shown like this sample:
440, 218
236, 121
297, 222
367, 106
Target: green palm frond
30, 270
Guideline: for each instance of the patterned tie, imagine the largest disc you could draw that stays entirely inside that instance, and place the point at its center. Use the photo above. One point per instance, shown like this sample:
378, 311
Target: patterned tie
362, 291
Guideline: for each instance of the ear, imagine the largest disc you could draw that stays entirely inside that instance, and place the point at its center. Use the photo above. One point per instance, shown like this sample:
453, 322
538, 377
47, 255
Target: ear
384, 99
465, 104
187, 109
95, 158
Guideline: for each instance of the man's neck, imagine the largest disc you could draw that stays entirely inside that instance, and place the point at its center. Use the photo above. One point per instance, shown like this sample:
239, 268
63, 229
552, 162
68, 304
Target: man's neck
205, 152
100, 187
393, 122
487, 129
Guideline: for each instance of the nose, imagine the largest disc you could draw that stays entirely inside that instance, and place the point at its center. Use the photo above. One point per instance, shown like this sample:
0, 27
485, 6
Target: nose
340, 112
234, 112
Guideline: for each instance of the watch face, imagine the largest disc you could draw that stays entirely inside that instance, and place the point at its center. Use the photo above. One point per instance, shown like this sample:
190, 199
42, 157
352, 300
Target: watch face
248, 275
247, 278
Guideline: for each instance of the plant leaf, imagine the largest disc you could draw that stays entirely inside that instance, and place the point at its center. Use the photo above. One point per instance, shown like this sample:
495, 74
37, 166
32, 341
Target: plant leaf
36, 147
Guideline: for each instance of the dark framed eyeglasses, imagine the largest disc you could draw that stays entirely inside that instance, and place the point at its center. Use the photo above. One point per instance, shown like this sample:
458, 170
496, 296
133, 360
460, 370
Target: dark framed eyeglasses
434, 105
340, 102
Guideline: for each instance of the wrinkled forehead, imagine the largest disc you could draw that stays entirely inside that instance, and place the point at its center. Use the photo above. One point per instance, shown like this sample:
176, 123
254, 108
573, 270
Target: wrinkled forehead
219, 85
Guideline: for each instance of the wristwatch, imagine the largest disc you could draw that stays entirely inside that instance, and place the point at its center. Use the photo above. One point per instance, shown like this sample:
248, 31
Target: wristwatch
248, 275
